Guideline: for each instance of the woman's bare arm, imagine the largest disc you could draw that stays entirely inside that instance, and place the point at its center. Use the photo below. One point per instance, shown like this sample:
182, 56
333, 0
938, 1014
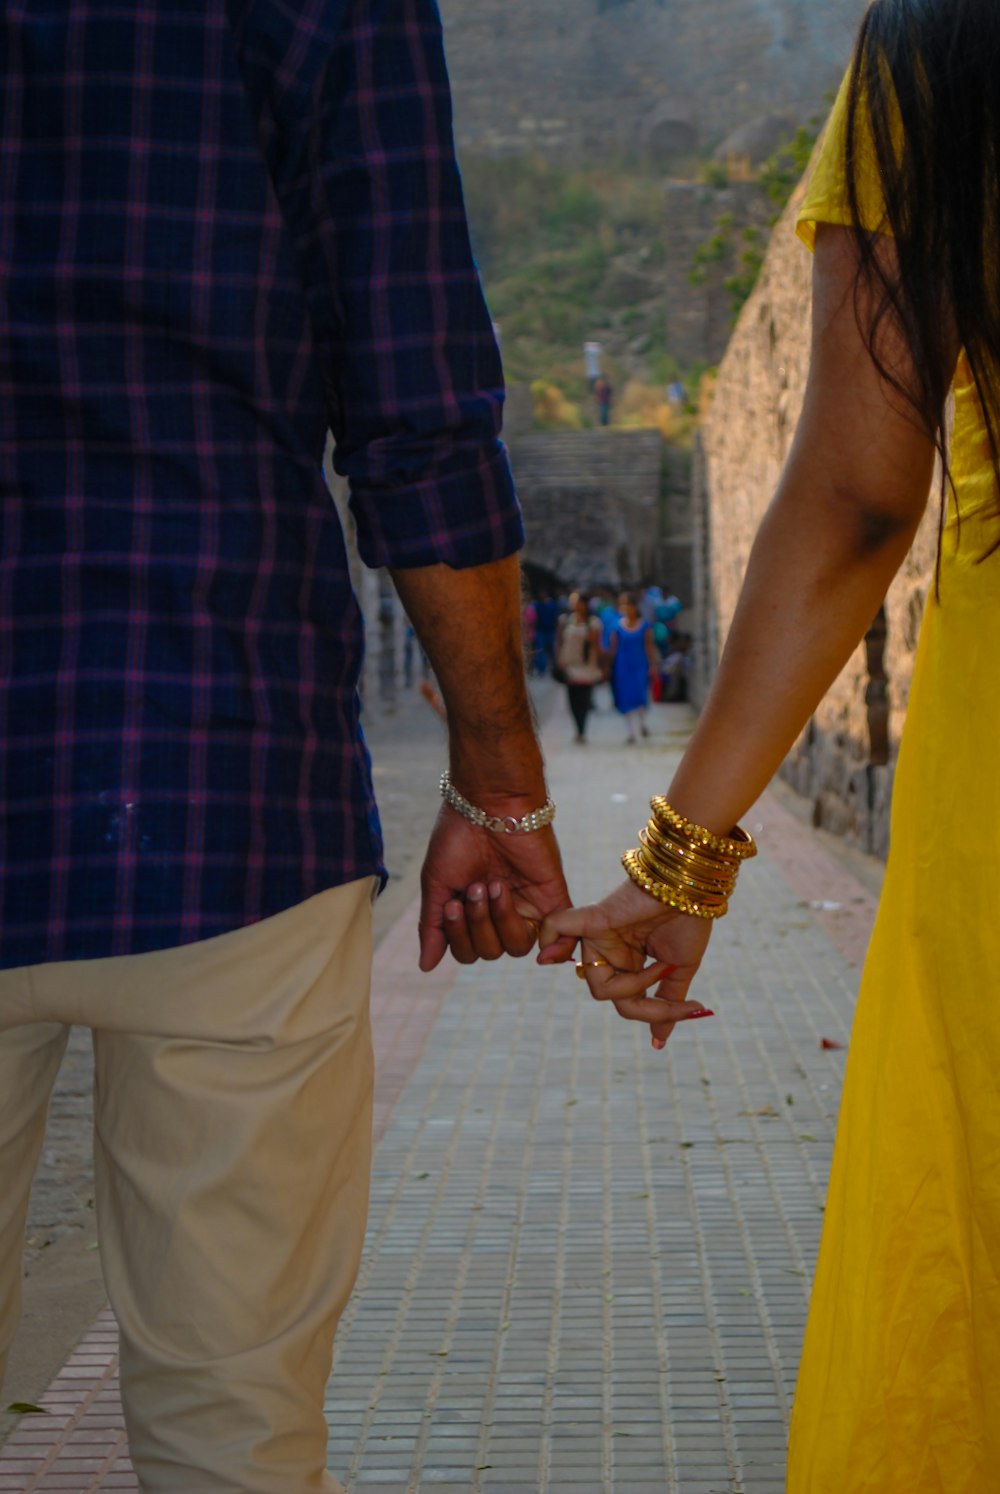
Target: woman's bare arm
849, 501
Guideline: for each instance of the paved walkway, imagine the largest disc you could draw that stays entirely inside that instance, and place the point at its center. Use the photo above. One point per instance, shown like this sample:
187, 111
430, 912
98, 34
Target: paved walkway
588, 1263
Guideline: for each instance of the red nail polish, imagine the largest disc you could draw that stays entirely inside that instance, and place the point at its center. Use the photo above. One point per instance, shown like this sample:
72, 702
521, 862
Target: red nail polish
695, 1015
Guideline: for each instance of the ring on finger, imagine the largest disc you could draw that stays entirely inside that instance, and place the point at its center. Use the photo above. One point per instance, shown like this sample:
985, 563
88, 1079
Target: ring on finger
582, 966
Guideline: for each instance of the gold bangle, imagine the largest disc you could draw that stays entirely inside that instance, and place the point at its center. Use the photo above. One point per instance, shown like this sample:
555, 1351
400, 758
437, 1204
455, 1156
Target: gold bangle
703, 868
712, 868
684, 866
690, 848
691, 894
677, 877
669, 896
674, 870
738, 843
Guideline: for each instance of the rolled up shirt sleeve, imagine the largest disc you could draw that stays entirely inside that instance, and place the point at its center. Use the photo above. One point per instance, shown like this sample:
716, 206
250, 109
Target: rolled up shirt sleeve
467, 517
418, 386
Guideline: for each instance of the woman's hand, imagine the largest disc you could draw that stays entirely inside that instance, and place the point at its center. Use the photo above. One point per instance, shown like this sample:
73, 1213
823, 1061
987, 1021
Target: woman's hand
625, 929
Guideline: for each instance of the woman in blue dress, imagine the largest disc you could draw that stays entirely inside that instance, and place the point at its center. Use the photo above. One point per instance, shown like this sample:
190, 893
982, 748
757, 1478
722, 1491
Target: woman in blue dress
633, 661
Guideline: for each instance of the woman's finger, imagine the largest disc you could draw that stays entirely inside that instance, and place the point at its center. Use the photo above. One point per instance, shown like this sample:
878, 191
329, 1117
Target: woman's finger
660, 1013
570, 922
659, 1034
608, 984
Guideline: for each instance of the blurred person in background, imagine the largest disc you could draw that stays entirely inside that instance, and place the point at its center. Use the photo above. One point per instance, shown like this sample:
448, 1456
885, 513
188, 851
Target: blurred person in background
579, 659
547, 614
633, 663
604, 395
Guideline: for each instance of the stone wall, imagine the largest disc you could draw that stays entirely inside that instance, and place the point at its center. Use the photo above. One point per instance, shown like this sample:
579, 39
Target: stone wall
843, 762
604, 506
673, 563
699, 316
579, 78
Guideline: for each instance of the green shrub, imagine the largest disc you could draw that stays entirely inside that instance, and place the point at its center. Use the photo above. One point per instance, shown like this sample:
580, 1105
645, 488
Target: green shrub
715, 174
546, 239
782, 172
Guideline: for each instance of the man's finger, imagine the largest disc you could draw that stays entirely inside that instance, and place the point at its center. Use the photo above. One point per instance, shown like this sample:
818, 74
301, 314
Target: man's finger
516, 931
478, 914
433, 946
456, 931
557, 953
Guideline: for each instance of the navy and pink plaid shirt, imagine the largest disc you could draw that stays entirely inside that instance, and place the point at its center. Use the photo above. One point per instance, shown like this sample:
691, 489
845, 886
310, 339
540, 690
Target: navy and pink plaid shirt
224, 229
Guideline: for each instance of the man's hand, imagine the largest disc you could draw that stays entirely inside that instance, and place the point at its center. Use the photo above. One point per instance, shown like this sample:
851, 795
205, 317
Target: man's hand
625, 929
486, 894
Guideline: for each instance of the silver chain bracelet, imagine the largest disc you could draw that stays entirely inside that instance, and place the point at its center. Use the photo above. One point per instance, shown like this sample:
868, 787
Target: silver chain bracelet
505, 824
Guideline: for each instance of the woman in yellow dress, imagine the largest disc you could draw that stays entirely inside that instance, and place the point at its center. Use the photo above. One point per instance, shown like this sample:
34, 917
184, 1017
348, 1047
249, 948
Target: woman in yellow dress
899, 1387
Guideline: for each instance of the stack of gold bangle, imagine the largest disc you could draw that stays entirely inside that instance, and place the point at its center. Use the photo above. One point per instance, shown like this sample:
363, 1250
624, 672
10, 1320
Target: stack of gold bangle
684, 865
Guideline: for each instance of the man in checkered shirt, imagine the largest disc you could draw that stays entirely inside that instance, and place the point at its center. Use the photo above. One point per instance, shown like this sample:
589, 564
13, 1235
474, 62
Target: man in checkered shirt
225, 227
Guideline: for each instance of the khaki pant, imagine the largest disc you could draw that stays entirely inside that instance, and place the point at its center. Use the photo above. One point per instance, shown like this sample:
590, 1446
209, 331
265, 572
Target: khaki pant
233, 1084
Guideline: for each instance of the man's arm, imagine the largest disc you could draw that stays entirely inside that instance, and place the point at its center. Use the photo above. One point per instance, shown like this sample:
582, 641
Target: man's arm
482, 890
354, 117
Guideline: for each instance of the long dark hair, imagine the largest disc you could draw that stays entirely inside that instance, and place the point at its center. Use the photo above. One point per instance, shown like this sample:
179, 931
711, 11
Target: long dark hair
927, 72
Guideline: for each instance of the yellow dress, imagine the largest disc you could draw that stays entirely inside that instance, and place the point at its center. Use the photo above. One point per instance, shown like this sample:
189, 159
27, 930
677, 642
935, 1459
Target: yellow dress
899, 1385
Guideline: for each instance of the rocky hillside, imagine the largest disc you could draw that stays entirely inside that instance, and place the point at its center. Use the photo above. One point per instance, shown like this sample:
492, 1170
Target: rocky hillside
579, 79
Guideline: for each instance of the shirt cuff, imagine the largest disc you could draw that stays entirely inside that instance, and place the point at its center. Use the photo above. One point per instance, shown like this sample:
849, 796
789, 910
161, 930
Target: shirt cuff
464, 518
